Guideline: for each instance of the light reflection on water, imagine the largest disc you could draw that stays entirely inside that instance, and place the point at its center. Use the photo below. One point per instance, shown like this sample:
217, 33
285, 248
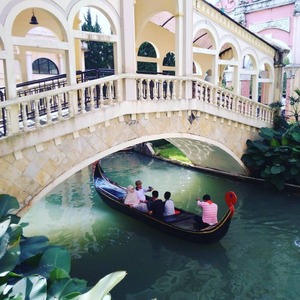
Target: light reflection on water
257, 259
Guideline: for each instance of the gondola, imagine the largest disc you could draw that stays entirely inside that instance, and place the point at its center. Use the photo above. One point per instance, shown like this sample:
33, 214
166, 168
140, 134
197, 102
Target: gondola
181, 224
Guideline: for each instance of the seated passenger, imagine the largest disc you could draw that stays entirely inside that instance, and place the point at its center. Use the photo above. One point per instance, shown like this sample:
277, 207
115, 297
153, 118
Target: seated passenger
157, 207
169, 205
209, 212
141, 191
132, 200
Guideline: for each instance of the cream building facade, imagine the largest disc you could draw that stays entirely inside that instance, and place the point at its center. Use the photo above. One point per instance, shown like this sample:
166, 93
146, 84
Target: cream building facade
49, 135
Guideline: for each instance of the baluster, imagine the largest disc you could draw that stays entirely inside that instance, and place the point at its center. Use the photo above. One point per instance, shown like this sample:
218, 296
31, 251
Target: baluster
161, 89
36, 113
70, 102
92, 89
168, 96
180, 90
48, 108
82, 101
148, 94
24, 116
155, 90
8, 120
59, 106
217, 97
117, 91
140, 84
101, 99
174, 87
109, 88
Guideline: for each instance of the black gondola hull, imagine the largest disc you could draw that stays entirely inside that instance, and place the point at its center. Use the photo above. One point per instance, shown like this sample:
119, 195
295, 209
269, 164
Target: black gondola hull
182, 225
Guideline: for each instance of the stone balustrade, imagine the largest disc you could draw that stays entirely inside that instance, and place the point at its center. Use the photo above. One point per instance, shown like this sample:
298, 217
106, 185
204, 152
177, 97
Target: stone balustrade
41, 109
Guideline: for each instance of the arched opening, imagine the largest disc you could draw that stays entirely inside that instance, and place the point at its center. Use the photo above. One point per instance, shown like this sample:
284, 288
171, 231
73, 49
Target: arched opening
169, 64
228, 65
248, 77
44, 66
97, 56
146, 60
203, 53
265, 84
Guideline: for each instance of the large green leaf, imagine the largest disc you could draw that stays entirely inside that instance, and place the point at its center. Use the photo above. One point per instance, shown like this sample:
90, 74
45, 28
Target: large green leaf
266, 133
274, 143
294, 170
277, 169
58, 274
3, 227
296, 149
8, 204
66, 287
260, 162
292, 160
56, 257
31, 246
15, 233
284, 141
32, 287
261, 146
104, 286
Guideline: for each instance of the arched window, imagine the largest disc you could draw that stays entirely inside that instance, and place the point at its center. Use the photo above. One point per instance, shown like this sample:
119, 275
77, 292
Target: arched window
146, 50
44, 66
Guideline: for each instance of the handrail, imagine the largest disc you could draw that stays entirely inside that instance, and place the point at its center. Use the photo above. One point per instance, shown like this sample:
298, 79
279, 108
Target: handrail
40, 109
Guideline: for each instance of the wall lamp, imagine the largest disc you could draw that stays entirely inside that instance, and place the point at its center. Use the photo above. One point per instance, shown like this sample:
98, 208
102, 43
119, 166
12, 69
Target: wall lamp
33, 20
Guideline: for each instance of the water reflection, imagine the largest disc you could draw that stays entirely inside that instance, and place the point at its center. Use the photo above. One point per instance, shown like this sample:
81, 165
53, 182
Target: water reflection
257, 259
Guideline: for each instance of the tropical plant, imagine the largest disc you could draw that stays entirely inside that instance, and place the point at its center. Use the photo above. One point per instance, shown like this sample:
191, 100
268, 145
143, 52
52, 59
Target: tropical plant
278, 121
276, 157
30, 268
295, 105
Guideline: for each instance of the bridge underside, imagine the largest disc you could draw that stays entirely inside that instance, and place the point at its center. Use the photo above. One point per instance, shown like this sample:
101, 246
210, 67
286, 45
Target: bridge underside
208, 154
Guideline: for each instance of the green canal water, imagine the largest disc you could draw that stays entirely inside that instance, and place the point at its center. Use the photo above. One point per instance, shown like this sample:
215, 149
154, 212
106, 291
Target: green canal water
259, 258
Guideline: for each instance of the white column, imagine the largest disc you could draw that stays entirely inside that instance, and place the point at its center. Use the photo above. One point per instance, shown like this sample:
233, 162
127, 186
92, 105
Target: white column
62, 68
10, 88
128, 36
184, 38
184, 43
29, 65
126, 54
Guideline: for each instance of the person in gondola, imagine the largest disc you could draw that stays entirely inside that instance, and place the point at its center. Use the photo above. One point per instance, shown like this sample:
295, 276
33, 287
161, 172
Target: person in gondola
132, 200
209, 212
169, 205
157, 208
141, 191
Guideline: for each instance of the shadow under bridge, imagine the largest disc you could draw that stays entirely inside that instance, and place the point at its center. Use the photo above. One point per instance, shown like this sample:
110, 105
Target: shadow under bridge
209, 154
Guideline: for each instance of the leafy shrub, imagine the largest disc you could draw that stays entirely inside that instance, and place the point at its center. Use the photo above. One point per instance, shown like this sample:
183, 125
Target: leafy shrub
30, 268
276, 157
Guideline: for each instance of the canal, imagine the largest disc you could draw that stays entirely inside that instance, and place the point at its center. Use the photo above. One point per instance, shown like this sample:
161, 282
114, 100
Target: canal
259, 258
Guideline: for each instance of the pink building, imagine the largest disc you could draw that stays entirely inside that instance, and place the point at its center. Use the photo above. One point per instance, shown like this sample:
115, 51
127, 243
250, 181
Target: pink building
276, 21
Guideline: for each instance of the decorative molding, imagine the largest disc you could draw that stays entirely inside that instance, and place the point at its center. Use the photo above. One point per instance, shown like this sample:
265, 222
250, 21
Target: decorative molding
238, 30
245, 7
283, 24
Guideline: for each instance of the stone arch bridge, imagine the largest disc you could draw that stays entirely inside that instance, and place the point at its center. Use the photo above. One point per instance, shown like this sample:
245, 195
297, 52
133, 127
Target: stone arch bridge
208, 123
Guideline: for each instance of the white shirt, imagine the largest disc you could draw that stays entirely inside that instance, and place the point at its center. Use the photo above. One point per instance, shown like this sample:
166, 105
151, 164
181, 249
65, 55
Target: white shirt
169, 208
141, 194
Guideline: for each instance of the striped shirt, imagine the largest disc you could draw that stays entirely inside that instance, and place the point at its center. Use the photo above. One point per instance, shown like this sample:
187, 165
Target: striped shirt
209, 212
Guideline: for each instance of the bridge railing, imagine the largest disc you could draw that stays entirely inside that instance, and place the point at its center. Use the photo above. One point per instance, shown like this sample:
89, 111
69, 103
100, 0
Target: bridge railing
44, 108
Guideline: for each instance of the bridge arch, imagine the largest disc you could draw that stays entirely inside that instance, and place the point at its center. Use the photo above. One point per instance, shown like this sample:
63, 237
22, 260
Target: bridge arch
205, 139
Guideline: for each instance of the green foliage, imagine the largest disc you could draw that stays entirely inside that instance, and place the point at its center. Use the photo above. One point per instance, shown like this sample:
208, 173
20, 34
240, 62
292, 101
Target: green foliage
295, 105
99, 54
147, 50
169, 151
30, 268
276, 157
